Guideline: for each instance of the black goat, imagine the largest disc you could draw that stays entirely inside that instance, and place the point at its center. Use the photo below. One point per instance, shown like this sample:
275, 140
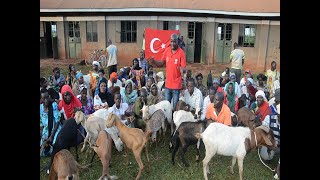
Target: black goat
66, 138
185, 136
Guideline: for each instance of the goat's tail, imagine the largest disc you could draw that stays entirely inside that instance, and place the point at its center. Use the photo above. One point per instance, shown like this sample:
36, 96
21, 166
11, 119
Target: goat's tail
198, 135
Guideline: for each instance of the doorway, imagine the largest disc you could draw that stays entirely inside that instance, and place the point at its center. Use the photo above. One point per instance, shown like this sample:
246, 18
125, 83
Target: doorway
74, 39
198, 42
48, 37
224, 42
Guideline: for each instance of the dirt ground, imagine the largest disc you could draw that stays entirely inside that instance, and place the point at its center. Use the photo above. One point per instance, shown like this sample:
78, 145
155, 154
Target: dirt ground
195, 67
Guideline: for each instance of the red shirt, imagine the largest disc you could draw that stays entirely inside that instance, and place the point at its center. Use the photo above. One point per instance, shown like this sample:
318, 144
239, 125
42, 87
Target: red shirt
173, 63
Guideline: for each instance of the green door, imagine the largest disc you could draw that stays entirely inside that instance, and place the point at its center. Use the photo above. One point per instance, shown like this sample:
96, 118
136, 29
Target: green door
224, 43
190, 42
74, 40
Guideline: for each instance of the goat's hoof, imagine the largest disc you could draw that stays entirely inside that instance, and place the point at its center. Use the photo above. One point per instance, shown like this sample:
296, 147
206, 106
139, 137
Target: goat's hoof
231, 171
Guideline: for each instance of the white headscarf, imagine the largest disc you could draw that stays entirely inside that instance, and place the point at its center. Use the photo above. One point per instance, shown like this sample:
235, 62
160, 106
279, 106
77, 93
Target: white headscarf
160, 74
96, 63
261, 93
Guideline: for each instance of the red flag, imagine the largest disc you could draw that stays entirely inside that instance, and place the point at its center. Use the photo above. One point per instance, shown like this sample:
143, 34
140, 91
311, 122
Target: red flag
156, 42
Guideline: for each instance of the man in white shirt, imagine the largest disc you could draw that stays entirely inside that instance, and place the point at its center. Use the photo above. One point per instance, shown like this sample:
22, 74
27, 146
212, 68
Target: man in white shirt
112, 53
193, 95
237, 59
207, 100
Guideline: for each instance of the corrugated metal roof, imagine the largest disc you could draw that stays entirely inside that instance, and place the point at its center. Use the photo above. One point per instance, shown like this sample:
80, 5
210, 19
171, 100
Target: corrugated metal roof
249, 6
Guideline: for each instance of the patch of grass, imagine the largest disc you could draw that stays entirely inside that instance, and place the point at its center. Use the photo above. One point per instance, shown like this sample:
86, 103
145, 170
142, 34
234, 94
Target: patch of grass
162, 168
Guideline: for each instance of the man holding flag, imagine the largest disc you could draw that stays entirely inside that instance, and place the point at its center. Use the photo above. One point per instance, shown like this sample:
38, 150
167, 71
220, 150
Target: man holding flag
175, 60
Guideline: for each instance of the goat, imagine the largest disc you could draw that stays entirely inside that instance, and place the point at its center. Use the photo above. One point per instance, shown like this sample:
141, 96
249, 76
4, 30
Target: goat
133, 138
165, 106
181, 105
64, 166
93, 124
233, 141
185, 136
154, 122
104, 143
184, 116
66, 138
245, 117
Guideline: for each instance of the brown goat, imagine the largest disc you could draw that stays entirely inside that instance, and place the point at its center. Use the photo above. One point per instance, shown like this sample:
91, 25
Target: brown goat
132, 138
104, 143
181, 105
64, 166
245, 117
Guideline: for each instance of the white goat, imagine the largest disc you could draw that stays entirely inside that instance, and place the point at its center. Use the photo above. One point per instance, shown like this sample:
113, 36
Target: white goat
165, 106
94, 124
184, 116
233, 141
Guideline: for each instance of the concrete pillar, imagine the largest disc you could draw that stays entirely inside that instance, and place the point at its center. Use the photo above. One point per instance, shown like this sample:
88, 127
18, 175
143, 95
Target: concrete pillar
210, 41
61, 40
235, 34
262, 46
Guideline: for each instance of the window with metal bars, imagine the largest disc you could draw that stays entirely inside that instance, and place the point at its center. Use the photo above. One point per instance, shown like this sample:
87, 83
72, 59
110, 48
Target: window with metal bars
247, 35
128, 31
74, 29
191, 30
92, 31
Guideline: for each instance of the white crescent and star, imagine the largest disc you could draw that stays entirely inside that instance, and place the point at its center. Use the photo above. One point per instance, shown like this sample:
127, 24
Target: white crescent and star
152, 42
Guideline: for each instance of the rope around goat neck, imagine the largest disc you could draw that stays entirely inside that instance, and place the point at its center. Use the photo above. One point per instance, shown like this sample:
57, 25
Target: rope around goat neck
255, 138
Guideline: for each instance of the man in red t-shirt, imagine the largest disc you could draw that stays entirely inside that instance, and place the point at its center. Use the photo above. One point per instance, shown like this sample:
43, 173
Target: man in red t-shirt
175, 61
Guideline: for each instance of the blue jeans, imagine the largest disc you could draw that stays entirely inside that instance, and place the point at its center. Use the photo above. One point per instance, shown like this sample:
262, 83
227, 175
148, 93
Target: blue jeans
172, 93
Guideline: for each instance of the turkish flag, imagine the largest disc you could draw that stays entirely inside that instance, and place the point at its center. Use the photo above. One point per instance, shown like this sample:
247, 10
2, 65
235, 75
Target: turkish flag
156, 41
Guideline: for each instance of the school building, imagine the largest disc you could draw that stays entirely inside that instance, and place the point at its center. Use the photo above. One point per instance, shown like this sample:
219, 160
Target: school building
72, 29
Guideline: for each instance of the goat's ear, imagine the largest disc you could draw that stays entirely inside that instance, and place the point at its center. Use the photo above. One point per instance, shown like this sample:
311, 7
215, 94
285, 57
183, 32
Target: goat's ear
267, 140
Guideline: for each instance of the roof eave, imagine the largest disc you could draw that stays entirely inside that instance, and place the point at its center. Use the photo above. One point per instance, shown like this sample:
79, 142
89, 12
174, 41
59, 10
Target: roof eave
83, 10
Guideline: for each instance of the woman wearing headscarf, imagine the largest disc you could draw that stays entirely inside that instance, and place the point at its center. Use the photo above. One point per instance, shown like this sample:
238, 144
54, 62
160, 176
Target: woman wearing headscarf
69, 103
128, 94
79, 84
237, 89
50, 124
261, 106
103, 98
230, 98
154, 97
247, 74
249, 90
